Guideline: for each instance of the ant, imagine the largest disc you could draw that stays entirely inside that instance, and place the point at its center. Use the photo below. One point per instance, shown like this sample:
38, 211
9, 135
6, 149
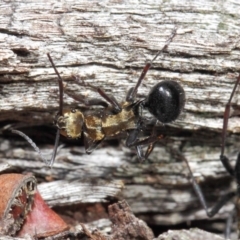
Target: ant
165, 102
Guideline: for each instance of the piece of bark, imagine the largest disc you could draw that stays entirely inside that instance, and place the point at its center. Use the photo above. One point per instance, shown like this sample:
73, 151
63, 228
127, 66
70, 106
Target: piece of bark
80, 191
191, 234
42, 221
16, 201
107, 44
125, 225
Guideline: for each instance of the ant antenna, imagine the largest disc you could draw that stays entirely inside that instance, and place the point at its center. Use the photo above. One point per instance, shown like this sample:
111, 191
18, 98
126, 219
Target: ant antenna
148, 65
30, 141
60, 83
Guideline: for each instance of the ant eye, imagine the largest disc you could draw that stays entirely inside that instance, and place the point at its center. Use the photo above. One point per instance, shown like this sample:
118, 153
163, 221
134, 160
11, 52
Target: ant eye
165, 101
61, 123
73, 110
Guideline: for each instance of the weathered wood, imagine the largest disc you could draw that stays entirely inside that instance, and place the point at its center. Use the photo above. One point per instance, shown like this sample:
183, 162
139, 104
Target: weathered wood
79, 192
77, 233
124, 226
107, 44
192, 234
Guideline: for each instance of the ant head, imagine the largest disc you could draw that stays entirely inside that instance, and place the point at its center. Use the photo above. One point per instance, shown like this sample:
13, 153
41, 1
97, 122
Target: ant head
70, 123
165, 101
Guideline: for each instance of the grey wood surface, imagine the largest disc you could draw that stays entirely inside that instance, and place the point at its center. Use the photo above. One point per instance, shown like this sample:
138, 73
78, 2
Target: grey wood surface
107, 43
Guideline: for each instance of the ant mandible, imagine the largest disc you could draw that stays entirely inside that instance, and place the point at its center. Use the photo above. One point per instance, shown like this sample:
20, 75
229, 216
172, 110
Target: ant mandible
165, 102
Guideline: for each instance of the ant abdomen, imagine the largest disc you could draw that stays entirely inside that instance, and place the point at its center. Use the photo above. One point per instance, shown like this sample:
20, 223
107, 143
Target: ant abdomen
165, 101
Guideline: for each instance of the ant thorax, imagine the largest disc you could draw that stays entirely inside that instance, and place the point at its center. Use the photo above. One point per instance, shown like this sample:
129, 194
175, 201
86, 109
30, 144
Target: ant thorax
126, 119
98, 125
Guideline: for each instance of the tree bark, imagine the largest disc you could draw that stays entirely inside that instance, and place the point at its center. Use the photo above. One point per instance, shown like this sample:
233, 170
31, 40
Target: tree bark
107, 44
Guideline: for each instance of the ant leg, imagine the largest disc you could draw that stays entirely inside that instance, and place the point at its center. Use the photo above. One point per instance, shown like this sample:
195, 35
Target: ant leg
109, 98
223, 158
237, 171
142, 156
229, 223
150, 148
133, 134
132, 140
220, 203
238, 214
55, 148
150, 142
88, 102
30, 141
132, 137
227, 165
237, 177
139, 143
90, 145
133, 91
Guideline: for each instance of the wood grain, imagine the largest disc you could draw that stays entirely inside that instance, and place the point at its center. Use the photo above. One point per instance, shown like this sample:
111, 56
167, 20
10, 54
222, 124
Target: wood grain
107, 44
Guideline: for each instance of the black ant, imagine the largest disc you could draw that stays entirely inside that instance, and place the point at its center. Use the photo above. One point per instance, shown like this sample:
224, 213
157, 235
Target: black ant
165, 102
